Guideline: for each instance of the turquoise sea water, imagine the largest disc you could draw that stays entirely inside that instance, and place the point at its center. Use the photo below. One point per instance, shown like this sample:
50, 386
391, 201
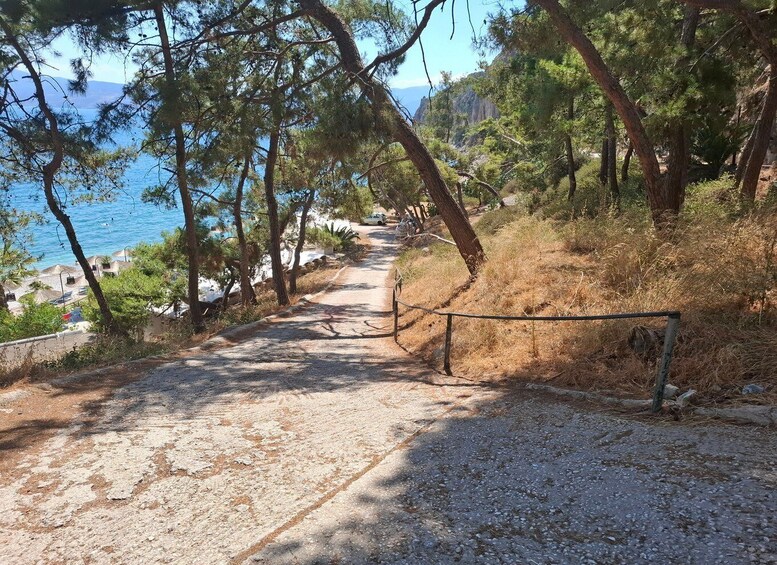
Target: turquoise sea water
104, 227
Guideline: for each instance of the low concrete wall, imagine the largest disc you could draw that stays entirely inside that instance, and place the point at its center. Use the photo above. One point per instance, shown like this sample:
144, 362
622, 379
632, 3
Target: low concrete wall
42, 348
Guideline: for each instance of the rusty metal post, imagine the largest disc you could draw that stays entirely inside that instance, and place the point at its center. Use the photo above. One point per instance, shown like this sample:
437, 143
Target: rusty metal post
395, 308
448, 335
672, 325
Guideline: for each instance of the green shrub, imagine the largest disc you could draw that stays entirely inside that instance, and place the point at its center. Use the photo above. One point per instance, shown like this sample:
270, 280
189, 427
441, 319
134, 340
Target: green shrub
35, 320
591, 197
716, 198
323, 238
344, 234
130, 296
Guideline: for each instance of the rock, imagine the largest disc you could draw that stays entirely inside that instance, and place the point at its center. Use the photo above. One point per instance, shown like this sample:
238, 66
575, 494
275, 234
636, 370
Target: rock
646, 342
670, 391
425, 250
753, 388
761, 415
685, 398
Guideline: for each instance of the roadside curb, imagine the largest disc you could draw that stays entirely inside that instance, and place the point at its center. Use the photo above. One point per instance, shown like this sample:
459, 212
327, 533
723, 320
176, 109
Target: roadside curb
760, 415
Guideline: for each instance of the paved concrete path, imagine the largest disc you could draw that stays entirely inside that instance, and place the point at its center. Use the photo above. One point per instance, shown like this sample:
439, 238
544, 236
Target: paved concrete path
319, 441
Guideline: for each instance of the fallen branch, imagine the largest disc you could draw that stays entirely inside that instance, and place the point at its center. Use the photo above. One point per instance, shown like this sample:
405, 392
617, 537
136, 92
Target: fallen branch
448, 241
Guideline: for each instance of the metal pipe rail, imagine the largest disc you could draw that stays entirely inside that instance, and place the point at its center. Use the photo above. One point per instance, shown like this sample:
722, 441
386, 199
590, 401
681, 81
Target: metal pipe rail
670, 337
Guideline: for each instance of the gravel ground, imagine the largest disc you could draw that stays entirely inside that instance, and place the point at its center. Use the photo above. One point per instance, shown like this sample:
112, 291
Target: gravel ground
318, 441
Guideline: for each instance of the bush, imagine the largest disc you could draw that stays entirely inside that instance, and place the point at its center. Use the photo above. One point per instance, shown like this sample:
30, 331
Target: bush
339, 238
323, 238
130, 296
711, 199
35, 320
591, 197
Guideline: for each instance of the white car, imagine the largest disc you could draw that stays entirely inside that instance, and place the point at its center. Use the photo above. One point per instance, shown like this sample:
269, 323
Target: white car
375, 219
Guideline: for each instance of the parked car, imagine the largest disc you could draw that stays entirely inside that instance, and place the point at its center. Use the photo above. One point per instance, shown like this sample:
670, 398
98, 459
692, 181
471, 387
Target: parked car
375, 219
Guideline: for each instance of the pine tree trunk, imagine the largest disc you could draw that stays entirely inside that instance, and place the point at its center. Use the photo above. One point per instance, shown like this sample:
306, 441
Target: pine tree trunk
3, 299
272, 213
460, 196
391, 120
570, 153
300, 241
227, 292
744, 156
679, 144
762, 134
626, 163
612, 158
190, 223
49, 171
603, 163
247, 294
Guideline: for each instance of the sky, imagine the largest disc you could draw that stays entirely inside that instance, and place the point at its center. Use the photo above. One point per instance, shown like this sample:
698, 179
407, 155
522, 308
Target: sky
456, 55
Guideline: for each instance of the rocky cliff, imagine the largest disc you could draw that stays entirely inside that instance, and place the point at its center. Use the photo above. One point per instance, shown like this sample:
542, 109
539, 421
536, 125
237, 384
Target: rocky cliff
469, 108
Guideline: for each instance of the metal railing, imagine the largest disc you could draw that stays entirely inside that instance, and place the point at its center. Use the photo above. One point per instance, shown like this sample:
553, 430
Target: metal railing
670, 336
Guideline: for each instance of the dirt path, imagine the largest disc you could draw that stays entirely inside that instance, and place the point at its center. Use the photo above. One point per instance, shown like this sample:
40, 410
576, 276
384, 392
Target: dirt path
319, 441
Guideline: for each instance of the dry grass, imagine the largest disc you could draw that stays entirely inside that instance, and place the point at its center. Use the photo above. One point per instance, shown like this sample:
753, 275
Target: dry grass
721, 273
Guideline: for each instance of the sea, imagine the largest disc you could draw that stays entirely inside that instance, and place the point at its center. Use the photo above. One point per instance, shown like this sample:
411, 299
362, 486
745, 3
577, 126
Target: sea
103, 228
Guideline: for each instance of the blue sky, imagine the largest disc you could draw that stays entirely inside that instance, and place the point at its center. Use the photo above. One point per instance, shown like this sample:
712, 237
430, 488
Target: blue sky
455, 55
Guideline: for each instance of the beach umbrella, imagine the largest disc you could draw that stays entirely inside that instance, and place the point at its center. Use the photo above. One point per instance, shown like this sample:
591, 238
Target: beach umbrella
124, 254
57, 269
43, 295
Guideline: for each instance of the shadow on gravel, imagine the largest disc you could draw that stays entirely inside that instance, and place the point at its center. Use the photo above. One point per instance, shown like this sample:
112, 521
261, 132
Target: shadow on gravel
18, 437
515, 480
288, 356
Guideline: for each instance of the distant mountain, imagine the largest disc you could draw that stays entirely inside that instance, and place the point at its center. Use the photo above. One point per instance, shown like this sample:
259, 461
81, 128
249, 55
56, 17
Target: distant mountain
99, 92
58, 91
411, 97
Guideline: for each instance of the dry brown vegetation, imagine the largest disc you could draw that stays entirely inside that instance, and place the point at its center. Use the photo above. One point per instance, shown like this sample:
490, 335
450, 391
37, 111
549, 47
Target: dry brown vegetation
719, 269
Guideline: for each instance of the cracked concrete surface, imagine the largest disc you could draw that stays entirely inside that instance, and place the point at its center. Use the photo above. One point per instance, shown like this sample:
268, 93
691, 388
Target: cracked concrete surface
319, 441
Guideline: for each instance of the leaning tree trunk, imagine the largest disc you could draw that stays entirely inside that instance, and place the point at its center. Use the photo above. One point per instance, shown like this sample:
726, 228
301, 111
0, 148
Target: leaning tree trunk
744, 156
247, 294
49, 171
3, 299
190, 222
272, 213
490, 188
612, 157
661, 207
303, 220
570, 154
394, 122
761, 136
